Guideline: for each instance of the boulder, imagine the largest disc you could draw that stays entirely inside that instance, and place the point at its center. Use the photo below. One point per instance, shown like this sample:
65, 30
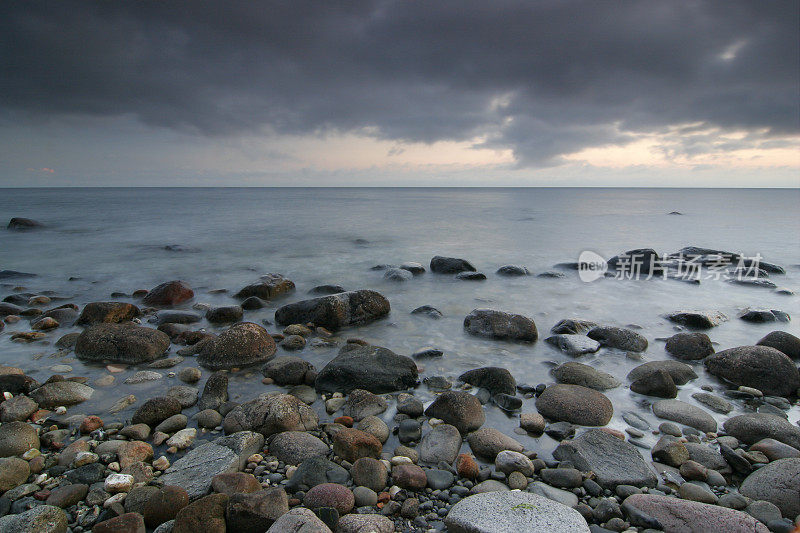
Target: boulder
288, 370
686, 414
575, 404
336, 311
619, 338
371, 368
450, 265
207, 514
267, 287
658, 383
679, 515
21, 223
121, 343
397, 274
225, 314
294, 447
39, 519
240, 345
783, 342
698, 319
168, 294
352, 444
573, 373
441, 444
513, 512
361, 404
613, 461
56, 393
778, 483
256, 512
301, 520
494, 379
500, 325
156, 410
458, 408
17, 438
513, 271
752, 427
358, 523
107, 313
488, 442
13, 472
316, 470
689, 346
762, 367
270, 414
571, 326
681, 373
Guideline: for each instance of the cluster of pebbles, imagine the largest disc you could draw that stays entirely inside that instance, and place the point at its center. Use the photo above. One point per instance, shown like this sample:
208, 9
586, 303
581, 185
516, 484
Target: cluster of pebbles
350, 448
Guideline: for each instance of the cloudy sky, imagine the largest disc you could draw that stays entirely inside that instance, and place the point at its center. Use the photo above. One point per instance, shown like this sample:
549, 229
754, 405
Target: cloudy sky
391, 92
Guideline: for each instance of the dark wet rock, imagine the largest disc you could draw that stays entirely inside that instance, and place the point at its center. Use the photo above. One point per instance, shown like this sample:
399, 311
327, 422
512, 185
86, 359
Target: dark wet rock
13, 274
778, 483
240, 345
658, 383
551, 274
397, 274
619, 338
513, 271
427, 310
574, 345
752, 427
698, 319
317, 470
500, 325
575, 404
752, 282
271, 413
684, 413
442, 443
677, 514
156, 410
326, 289
54, 394
409, 405
164, 504
573, 373
67, 495
689, 346
507, 402
700, 253
488, 442
639, 262
107, 312
121, 343
681, 373
10, 309
471, 276
336, 311
267, 287
764, 315
225, 314
760, 367
288, 370
362, 403
613, 461
459, 409
371, 368
495, 379
713, 402
252, 303
17, 383
409, 477
169, 294
450, 265
427, 353
215, 391
783, 342
670, 451
413, 267
257, 511
20, 223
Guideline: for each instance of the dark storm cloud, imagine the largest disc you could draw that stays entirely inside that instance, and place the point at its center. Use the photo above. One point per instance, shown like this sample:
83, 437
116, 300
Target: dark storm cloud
543, 78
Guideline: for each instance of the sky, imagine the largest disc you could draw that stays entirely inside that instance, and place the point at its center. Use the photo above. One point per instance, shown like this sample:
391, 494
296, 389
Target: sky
400, 93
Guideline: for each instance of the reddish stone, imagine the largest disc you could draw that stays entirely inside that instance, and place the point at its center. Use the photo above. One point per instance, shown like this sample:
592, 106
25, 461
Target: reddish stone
124, 523
91, 423
409, 477
206, 514
384, 497
466, 466
353, 444
231, 483
164, 505
42, 495
346, 421
169, 293
133, 452
330, 495
614, 432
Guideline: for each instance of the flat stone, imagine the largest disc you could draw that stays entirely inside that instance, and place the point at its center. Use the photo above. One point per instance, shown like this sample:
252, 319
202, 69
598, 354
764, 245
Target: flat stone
573, 373
574, 345
752, 427
685, 516
500, 325
686, 414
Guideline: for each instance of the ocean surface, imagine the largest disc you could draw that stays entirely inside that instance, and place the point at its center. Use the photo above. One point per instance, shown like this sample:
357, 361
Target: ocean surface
99, 241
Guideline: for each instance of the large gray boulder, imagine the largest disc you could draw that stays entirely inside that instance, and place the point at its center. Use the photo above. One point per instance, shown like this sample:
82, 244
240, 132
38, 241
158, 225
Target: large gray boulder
762, 367
513, 512
679, 515
614, 461
685, 413
778, 483
442, 443
240, 345
270, 414
500, 325
752, 427
121, 343
575, 404
336, 311
373, 368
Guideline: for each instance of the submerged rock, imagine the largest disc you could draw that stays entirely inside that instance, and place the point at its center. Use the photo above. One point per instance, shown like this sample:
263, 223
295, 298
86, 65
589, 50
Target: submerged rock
336, 311
240, 345
121, 343
513, 271
20, 223
371, 368
397, 274
500, 325
450, 265
427, 310
760, 367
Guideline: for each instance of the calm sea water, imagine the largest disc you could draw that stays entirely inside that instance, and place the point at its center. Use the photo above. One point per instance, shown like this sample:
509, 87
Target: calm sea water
115, 239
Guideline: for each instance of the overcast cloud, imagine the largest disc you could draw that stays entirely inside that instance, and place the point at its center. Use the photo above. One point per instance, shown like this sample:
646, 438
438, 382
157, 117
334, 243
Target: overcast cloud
542, 79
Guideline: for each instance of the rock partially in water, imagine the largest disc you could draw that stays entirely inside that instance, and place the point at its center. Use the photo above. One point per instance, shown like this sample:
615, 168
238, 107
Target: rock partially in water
240, 345
495, 512
676, 514
574, 345
326, 289
573, 373
783, 342
619, 338
21, 224
720, 405
689, 346
471, 276
570, 326
513, 271
428, 311
760, 316
495, 379
267, 287
107, 312
450, 265
500, 325
54, 394
636, 263
271, 413
575, 404
752, 427
761, 367
225, 314
288, 370
698, 319
658, 383
156, 410
686, 414
397, 274
613, 461
752, 282
121, 343
458, 408
336, 311
681, 373
371, 368
169, 294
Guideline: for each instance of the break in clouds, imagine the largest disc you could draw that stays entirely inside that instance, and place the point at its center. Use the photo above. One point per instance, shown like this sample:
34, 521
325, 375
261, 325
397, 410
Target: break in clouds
542, 78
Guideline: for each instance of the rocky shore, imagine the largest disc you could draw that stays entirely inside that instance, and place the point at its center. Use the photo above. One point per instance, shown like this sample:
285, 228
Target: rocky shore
350, 447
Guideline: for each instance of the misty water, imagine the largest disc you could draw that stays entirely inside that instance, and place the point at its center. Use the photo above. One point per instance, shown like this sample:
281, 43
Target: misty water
99, 241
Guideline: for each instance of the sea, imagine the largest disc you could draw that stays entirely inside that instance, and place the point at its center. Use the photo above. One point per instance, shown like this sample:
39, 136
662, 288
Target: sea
99, 241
